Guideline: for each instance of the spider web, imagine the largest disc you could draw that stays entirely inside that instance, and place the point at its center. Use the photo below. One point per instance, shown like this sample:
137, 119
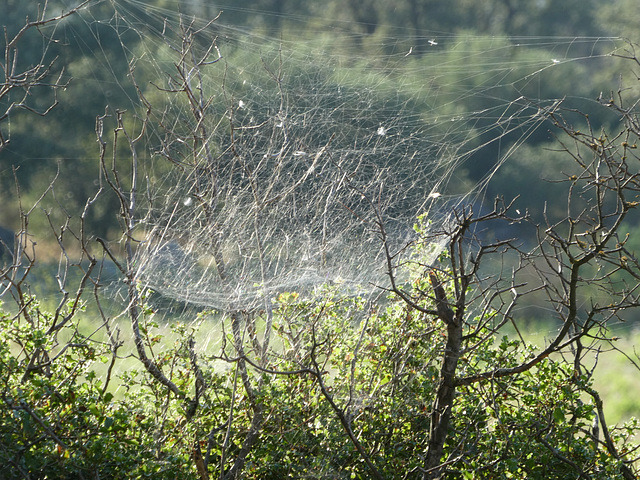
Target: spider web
302, 161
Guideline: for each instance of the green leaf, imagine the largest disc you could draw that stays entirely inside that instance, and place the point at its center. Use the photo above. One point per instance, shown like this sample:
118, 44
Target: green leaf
108, 421
558, 415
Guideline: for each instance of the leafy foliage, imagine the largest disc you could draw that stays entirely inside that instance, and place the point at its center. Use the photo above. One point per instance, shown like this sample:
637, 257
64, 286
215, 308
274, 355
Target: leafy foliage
378, 364
57, 419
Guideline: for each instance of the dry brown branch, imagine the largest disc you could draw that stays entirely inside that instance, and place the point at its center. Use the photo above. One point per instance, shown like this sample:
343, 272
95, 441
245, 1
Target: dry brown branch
24, 79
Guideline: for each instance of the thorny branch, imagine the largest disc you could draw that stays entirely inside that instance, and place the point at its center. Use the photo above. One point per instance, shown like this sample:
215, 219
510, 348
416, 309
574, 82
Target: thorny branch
128, 212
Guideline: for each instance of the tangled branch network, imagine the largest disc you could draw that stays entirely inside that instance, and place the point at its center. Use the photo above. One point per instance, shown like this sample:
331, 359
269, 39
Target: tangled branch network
282, 165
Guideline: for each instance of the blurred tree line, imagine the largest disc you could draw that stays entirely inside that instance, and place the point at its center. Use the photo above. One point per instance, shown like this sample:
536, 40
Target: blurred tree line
92, 49
418, 17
